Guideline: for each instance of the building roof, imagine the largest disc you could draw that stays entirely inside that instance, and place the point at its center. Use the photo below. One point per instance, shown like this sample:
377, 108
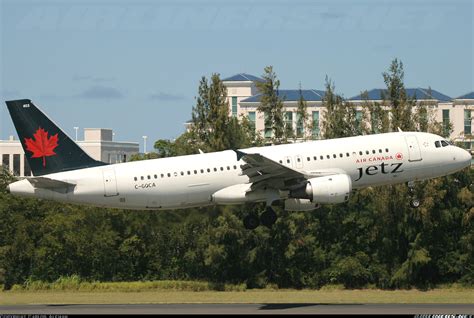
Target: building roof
467, 96
291, 95
419, 93
242, 77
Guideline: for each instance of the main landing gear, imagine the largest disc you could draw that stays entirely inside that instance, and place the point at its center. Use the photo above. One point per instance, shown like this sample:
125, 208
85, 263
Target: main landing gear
414, 200
267, 218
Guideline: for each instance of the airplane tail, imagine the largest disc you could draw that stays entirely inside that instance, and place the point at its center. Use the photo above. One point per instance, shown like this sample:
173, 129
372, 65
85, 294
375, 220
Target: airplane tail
47, 148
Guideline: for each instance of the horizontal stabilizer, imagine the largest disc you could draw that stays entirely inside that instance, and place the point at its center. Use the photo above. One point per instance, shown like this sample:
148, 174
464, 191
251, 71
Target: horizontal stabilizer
51, 184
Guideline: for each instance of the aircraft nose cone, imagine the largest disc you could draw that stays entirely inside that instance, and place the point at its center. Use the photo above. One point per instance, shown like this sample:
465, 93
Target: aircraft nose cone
466, 158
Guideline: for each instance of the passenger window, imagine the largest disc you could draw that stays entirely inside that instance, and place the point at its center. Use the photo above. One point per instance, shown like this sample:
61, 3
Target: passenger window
135, 178
347, 154
162, 175
373, 151
215, 169
208, 170
334, 156
235, 167
156, 176
142, 178
360, 153
367, 152
287, 160
386, 149
298, 159
315, 158
202, 170
309, 159
189, 172
175, 174
321, 157
341, 155
281, 161
222, 168
195, 172
169, 174
182, 173
328, 156
380, 150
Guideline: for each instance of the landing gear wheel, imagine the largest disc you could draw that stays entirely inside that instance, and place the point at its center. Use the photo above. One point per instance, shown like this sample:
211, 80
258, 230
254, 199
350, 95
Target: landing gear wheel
269, 217
251, 222
415, 203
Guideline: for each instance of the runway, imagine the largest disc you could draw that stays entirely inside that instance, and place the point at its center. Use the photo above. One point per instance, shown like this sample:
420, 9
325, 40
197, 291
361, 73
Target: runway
242, 309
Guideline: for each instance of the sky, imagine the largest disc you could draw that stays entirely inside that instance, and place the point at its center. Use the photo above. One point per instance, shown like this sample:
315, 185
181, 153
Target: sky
134, 66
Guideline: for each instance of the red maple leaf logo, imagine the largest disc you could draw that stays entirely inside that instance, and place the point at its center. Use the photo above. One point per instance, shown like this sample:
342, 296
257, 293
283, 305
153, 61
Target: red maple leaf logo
42, 146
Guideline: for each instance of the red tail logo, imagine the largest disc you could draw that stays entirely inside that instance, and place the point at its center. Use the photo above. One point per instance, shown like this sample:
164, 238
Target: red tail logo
43, 146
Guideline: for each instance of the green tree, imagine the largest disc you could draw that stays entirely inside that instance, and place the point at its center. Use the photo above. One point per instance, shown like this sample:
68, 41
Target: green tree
379, 116
302, 116
340, 116
164, 148
144, 156
396, 98
271, 105
212, 128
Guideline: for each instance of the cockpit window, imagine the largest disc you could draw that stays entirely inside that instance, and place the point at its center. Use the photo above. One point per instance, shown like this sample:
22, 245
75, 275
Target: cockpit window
444, 143
437, 144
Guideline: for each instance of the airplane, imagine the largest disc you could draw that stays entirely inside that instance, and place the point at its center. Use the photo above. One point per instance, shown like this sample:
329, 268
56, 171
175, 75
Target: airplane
300, 176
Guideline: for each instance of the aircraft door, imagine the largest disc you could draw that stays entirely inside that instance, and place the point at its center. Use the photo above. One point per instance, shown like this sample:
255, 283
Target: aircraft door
110, 182
414, 153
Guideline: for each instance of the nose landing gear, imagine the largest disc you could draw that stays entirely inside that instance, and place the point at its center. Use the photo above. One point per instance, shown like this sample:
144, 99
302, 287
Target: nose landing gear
414, 201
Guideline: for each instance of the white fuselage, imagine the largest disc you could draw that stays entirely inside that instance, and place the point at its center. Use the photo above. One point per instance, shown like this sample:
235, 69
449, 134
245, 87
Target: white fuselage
190, 181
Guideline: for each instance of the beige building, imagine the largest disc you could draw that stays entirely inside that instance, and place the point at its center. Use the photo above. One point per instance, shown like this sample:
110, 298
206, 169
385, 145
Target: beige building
244, 98
98, 143
462, 119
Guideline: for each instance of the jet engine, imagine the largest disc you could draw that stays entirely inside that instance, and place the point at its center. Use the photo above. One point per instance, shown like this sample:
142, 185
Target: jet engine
329, 189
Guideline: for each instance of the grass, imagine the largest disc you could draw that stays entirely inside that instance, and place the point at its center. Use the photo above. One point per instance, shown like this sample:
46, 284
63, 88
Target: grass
74, 283
72, 290
259, 296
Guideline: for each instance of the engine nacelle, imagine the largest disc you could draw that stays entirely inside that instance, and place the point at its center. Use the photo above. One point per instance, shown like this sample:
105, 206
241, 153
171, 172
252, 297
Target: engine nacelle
326, 190
300, 205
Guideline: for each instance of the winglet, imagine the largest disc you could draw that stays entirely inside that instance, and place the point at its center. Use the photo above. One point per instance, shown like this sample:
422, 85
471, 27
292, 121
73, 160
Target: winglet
240, 154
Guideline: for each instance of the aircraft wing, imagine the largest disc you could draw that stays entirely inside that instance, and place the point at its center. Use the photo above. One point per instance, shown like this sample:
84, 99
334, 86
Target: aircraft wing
51, 184
263, 172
